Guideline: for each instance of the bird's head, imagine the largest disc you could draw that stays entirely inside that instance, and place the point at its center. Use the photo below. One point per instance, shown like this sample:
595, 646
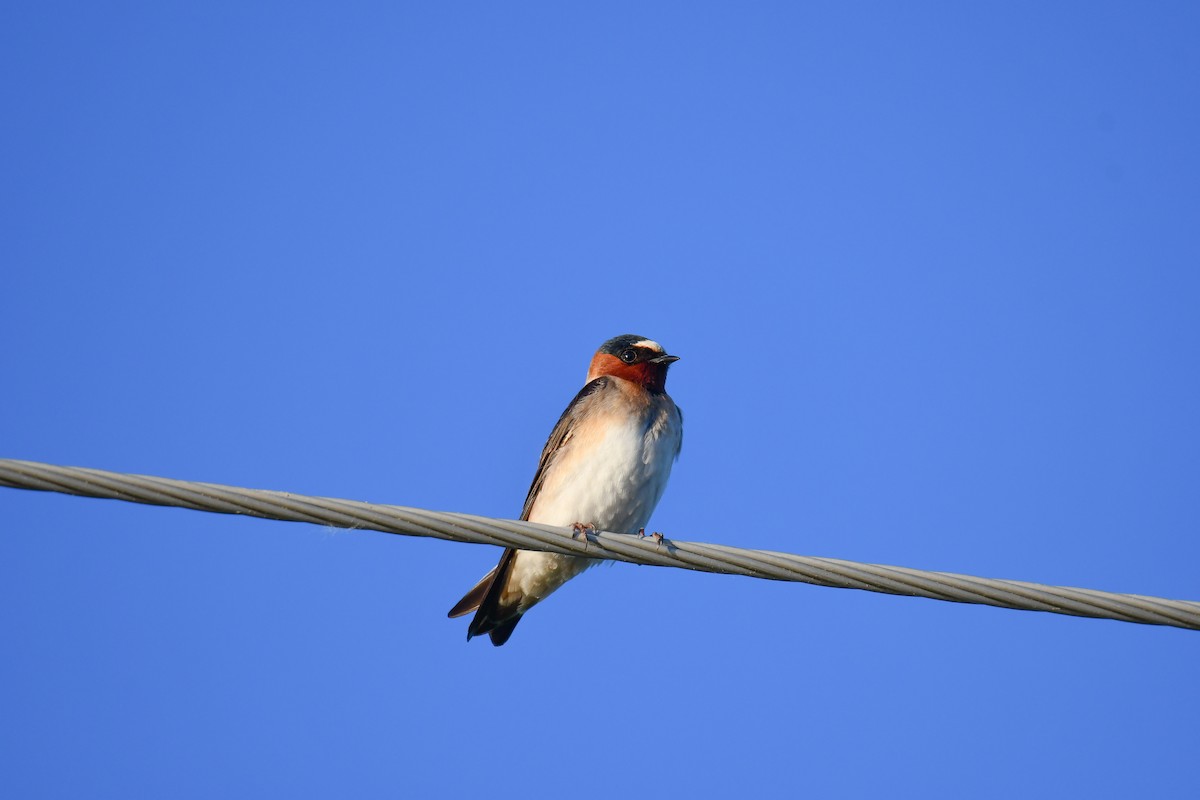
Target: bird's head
634, 358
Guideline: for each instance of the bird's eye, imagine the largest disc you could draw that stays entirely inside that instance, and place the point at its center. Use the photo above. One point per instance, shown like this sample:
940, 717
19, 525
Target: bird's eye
629, 356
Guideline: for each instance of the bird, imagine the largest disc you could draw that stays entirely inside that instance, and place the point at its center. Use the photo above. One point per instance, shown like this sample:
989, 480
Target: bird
604, 467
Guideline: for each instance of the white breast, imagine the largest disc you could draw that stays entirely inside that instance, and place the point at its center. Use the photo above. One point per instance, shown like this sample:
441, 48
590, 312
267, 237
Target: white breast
610, 475
615, 480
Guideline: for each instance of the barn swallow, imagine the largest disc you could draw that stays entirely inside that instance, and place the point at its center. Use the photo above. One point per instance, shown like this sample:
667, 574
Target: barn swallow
604, 466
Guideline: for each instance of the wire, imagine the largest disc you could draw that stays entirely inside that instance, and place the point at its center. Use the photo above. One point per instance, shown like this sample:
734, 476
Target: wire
622, 547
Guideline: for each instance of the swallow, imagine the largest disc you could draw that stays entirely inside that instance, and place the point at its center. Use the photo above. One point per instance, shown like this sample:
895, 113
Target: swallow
605, 466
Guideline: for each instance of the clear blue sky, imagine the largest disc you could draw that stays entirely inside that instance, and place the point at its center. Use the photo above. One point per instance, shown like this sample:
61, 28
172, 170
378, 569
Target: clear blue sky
934, 273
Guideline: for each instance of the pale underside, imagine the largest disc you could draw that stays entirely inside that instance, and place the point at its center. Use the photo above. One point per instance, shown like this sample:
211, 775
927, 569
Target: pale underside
610, 473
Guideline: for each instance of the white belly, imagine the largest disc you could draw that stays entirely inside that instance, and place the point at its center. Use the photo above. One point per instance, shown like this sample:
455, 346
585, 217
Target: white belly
613, 484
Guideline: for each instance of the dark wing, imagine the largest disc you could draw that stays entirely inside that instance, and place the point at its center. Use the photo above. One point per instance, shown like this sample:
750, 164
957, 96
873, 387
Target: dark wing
471, 600
493, 617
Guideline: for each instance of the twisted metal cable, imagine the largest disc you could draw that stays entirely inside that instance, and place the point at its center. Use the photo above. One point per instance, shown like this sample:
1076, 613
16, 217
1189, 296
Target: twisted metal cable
622, 547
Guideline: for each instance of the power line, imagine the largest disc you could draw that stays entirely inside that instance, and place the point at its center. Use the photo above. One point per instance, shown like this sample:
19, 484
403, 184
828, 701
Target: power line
621, 547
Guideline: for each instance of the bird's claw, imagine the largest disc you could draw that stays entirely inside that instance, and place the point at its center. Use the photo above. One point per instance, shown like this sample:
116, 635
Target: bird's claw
656, 536
582, 529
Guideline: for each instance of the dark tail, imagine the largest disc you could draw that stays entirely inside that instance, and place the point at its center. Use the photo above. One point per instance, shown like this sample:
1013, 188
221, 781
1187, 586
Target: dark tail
492, 617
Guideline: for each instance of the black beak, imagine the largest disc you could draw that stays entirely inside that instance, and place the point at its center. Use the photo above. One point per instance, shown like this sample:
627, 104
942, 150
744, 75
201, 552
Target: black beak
664, 359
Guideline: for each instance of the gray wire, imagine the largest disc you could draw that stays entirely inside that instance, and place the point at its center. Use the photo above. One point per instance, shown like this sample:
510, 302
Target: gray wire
622, 547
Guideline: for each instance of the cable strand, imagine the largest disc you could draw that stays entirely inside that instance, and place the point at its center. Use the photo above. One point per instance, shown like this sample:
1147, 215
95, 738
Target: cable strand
722, 559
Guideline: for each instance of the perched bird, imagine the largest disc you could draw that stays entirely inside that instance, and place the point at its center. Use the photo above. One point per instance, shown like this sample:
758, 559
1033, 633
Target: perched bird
604, 466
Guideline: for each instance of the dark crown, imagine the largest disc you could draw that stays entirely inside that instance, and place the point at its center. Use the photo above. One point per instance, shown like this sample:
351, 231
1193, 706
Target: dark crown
615, 345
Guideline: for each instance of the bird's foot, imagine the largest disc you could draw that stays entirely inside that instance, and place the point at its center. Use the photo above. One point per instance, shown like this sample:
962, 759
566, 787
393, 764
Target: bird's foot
582, 528
656, 537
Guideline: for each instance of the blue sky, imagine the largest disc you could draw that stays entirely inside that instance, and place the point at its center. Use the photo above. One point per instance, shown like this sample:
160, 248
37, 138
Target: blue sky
934, 273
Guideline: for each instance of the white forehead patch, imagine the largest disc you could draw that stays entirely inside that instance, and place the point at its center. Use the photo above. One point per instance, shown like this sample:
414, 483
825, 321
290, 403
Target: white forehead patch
650, 345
